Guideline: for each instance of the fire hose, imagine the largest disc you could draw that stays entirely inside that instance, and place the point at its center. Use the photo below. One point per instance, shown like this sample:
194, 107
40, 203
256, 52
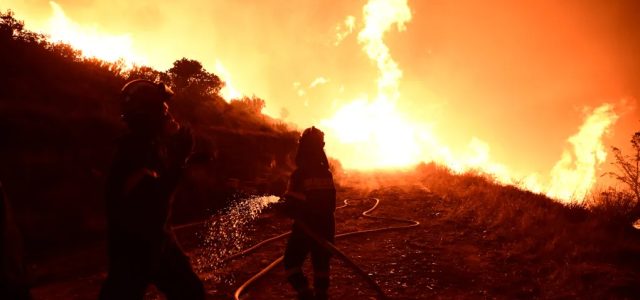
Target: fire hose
327, 245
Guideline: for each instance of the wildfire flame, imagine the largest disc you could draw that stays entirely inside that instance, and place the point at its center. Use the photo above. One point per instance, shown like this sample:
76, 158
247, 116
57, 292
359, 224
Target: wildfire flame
377, 135
228, 92
372, 133
112, 47
575, 173
90, 40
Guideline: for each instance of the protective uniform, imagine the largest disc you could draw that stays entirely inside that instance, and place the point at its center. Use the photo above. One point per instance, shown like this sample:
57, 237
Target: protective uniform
311, 199
146, 170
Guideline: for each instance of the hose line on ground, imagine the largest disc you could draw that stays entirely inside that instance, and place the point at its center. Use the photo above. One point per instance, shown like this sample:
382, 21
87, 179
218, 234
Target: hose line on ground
327, 245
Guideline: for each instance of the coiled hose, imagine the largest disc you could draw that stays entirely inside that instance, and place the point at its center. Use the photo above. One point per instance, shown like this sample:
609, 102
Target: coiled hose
327, 245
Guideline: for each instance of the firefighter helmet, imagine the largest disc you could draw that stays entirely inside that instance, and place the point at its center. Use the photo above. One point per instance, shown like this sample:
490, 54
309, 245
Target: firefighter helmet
310, 149
143, 99
312, 137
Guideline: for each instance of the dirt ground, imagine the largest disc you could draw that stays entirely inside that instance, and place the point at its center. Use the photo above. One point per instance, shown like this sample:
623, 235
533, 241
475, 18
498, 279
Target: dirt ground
437, 259
443, 258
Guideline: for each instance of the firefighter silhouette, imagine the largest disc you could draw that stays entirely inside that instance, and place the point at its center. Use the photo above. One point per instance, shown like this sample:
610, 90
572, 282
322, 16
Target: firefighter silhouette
145, 172
14, 283
310, 199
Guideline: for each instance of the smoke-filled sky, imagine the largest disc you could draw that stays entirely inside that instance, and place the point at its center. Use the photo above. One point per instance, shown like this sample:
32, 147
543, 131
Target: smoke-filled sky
519, 75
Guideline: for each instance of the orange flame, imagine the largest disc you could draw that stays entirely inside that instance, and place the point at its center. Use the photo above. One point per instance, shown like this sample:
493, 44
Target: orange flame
228, 92
575, 173
371, 134
374, 133
112, 48
90, 40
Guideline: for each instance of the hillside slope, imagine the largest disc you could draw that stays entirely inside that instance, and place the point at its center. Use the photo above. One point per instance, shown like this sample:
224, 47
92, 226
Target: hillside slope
477, 239
60, 120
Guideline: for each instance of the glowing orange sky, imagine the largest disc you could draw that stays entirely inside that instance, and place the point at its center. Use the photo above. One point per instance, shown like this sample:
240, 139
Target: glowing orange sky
516, 74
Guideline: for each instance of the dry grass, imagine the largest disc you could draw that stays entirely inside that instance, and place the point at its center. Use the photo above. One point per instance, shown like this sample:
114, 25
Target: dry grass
571, 250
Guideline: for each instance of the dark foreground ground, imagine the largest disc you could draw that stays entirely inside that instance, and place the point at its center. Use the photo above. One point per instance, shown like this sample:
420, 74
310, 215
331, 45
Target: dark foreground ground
502, 243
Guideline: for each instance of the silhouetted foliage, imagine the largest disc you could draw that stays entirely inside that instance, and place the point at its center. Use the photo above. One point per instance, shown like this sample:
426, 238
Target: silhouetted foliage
59, 122
617, 207
12, 29
189, 76
623, 206
628, 169
143, 72
565, 245
251, 105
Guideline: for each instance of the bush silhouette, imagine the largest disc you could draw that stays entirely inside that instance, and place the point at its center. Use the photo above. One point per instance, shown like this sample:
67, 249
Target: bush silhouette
59, 122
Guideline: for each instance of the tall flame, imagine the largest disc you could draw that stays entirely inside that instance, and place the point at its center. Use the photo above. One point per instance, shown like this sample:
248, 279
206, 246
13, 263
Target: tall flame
575, 173
228, 92
379, 16
90, 40
388, 141
371, 133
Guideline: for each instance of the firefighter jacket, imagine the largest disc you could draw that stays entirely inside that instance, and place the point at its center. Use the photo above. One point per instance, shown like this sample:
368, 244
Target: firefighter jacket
312, 191
139, 193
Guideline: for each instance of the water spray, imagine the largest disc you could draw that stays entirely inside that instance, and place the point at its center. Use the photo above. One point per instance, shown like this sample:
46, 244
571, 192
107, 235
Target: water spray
248, 209
226, 233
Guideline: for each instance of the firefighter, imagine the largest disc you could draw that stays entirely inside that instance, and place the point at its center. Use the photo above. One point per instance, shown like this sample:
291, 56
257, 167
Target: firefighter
310, 201
147, 168
14, 283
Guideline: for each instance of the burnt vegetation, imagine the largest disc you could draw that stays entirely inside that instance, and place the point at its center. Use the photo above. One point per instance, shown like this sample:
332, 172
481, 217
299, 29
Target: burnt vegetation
59, 122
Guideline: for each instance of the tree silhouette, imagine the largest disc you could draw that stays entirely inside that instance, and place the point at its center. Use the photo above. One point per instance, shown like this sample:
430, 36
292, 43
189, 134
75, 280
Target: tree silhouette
60, 118
13, 29
65, 51
9, 26
628, 168
189, 76
143, 72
